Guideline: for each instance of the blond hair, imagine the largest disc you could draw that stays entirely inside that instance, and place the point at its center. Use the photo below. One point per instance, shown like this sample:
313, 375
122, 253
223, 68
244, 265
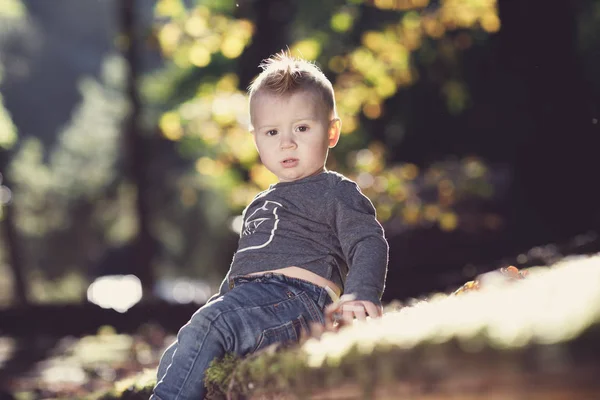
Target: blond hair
284, 75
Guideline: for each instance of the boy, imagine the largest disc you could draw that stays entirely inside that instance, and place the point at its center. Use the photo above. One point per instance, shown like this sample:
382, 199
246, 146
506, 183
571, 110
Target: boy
304, 240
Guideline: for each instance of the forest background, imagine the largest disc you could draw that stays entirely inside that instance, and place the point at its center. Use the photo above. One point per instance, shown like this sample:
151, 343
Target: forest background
472, 125
126, 160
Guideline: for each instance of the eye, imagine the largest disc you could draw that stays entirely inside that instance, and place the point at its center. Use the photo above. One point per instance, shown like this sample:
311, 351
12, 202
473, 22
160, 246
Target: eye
302, 128
271, 132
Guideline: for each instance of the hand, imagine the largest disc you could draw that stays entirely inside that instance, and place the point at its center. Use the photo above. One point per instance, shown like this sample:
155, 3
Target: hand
344, 311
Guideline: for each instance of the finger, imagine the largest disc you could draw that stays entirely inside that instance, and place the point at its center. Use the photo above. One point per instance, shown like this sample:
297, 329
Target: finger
348, 317
329, 314
354, 307
331, 310
329, 324
330, 319
359, 313
331, 307
372, 310
332, 316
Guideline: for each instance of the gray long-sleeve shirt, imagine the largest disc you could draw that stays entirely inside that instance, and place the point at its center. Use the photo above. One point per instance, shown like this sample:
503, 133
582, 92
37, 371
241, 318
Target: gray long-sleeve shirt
321, 223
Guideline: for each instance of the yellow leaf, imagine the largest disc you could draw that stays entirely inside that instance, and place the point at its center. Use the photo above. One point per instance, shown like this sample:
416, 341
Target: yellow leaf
409, 172
448, 221
209, 167
411, 214
337, 64
373, 40
169, 8
199, 55
170, 125
168, 37
195, 26
490, 22
232, 47
431, 212
228, 83
308, 49
341, 22
372, 110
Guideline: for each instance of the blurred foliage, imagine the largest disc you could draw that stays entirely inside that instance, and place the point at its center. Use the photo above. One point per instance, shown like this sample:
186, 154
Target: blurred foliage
13, 11
396, 39
75, 211
8, 131
62, 191
101, 366
47, 186
10, 10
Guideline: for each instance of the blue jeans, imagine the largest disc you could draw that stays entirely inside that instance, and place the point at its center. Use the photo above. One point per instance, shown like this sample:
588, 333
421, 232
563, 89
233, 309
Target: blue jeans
257, 311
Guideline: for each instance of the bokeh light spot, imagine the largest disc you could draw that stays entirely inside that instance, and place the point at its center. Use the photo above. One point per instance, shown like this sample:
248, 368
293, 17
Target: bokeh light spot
341, 22
199, 55
119, 292
170, 126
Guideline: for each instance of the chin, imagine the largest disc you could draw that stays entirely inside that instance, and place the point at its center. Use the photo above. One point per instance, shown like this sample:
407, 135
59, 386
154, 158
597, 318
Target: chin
290, 178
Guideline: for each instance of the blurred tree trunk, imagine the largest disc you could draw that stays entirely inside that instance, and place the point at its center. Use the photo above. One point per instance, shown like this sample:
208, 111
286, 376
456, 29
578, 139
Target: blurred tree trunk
136, 152
14, 256
272, 20
12, 248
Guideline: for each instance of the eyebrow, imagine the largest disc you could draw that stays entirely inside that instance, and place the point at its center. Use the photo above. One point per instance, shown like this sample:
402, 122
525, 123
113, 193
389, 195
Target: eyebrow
261, 127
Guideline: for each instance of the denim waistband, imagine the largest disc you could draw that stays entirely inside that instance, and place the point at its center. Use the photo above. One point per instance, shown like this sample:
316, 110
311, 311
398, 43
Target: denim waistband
317, 293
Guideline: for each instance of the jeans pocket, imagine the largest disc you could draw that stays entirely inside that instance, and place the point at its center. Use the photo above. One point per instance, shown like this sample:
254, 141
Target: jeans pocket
287, 333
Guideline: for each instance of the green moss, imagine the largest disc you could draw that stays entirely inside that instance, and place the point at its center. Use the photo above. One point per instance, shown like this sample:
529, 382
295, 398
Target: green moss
219, 376
363, 358
134, 388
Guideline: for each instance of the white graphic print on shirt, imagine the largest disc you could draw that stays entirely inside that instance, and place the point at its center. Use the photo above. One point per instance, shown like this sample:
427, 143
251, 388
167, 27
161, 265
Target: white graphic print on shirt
265, 216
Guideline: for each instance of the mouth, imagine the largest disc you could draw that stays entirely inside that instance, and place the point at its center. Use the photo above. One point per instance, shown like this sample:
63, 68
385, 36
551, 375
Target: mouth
289, 162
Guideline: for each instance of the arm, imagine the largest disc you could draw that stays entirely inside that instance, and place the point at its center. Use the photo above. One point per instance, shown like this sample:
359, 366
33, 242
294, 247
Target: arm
362, 241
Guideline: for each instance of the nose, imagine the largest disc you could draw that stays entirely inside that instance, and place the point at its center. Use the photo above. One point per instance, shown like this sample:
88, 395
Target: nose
287, 141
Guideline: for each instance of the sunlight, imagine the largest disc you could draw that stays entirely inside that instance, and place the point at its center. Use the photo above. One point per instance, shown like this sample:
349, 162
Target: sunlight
63, 374
119, 292
552, 305
184, 290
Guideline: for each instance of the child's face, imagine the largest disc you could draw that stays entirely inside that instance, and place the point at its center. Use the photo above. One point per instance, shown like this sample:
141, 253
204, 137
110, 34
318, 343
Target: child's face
293, 134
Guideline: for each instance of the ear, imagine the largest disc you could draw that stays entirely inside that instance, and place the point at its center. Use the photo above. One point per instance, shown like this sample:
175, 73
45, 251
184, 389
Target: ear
335, 127
253, 133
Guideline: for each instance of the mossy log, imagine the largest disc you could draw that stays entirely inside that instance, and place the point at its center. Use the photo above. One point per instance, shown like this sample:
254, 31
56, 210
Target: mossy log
538, 338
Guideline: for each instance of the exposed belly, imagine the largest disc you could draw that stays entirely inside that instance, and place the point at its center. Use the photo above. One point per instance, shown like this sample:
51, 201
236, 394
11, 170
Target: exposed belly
301, 273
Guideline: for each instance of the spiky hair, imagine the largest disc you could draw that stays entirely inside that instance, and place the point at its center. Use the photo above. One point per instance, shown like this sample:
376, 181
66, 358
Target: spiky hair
283, 74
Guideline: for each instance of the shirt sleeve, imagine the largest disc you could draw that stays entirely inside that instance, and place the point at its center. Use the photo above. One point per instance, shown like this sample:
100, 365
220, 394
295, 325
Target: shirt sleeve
362, 241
